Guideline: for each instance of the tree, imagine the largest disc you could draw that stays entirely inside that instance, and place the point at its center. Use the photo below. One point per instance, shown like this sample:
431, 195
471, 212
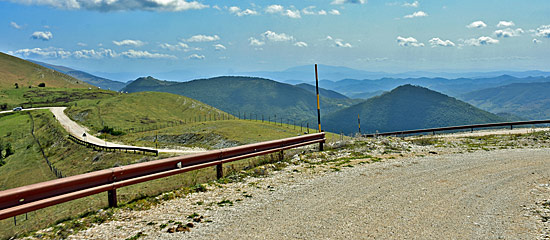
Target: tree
9, 151
42, 85
16, 86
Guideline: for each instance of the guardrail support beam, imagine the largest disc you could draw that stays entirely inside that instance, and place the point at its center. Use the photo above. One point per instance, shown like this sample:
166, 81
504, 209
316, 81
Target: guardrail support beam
321, 148
219, 171
111, 196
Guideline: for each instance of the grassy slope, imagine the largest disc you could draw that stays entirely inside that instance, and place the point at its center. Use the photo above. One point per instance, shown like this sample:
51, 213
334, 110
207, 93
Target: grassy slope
405, 108
138, 110
15, 70
37, 97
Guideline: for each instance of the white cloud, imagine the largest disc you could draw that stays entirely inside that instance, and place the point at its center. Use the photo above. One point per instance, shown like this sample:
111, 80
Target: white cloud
237, 11
413, 4
300, 44
146, 55
174, 47
477, 24
543, 31
508, 32
338, 2
82, 44
308, 10
15, 25
217, 7
196, 57
278, 9
505, 24
322, 12
274, 9
219, 47
536, 41
338, 42
255, 42
203, 38
334, 12
119, 5
292, 13
277, 37
129, 42
60, 53
481, 41
416, 14
408, 42
438, 42
44, 36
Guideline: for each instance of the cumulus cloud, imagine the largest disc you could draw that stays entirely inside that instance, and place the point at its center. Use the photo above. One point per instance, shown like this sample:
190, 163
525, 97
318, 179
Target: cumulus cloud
505, 24
435, 42
219, 47
322, 12
338, 42
308, 10
174, 47
129, 42
203, 38
300, 44
413, 4
146, 55
15, 25
278, 9
536, 41
339, 2
277, 37
334, 12
60, 53
119, 5
416, 14
44, 36
477, 24
408, 42
196, 57
255, 42
508, 32
237, 11
481, 41
543, 31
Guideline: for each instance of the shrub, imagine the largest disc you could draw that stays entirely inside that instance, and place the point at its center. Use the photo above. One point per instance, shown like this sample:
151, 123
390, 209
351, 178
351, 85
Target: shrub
42, 85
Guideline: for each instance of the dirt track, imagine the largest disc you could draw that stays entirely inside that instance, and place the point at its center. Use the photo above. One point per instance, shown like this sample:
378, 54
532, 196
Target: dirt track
466, 196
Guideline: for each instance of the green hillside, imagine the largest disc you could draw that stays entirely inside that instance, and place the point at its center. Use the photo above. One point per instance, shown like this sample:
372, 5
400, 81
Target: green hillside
322, 91
405, 108
526, 100
15, 70
139, 110
240, 95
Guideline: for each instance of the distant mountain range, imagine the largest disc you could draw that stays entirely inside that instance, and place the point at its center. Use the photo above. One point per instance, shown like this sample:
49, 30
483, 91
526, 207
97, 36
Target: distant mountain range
16, 70
528, 100
453, 87
405, 108
240, 95
86, 77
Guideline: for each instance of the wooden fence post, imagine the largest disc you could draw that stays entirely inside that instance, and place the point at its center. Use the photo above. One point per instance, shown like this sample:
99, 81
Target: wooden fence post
219, 171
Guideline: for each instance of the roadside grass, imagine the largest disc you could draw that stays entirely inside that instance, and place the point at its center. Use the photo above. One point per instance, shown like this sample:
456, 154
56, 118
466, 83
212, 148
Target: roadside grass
41, 97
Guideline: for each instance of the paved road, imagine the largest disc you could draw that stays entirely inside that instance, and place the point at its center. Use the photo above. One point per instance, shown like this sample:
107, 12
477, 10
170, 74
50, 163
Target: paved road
463, 196
77, 130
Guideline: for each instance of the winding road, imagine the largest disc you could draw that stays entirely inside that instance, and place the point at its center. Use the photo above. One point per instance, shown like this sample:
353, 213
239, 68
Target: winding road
77, 130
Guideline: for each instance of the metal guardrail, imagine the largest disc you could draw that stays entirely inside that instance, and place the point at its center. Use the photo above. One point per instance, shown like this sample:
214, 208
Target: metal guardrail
107, 148
24, 199
472, 127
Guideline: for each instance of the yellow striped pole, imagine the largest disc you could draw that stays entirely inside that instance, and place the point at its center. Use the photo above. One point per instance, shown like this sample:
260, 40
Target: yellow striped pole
318, 104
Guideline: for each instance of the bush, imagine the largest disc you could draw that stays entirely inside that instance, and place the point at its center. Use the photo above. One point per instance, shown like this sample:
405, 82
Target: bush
42, 85
3, 106
107, 129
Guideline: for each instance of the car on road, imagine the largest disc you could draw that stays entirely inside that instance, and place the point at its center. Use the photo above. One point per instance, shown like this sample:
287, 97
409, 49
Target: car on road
17, 109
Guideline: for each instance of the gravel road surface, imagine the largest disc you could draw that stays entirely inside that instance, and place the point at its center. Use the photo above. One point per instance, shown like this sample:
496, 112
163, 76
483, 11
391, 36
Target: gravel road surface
479, 195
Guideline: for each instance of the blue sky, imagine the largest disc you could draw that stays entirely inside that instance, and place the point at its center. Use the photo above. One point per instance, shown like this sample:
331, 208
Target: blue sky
221, 37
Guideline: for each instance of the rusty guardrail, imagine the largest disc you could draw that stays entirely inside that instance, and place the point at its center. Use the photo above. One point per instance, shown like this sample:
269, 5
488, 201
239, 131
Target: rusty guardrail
107, 148
472, 127
24, 199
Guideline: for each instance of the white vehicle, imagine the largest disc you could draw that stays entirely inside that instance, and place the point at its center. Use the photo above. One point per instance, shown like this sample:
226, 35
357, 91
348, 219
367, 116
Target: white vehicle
17, 109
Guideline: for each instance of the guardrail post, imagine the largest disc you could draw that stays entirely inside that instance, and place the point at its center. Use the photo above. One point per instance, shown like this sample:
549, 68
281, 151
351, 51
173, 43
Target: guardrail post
111, 196
281, 156
219, 171
511, 127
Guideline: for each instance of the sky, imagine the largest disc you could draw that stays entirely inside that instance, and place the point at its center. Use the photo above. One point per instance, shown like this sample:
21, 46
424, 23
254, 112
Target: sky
223, 37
